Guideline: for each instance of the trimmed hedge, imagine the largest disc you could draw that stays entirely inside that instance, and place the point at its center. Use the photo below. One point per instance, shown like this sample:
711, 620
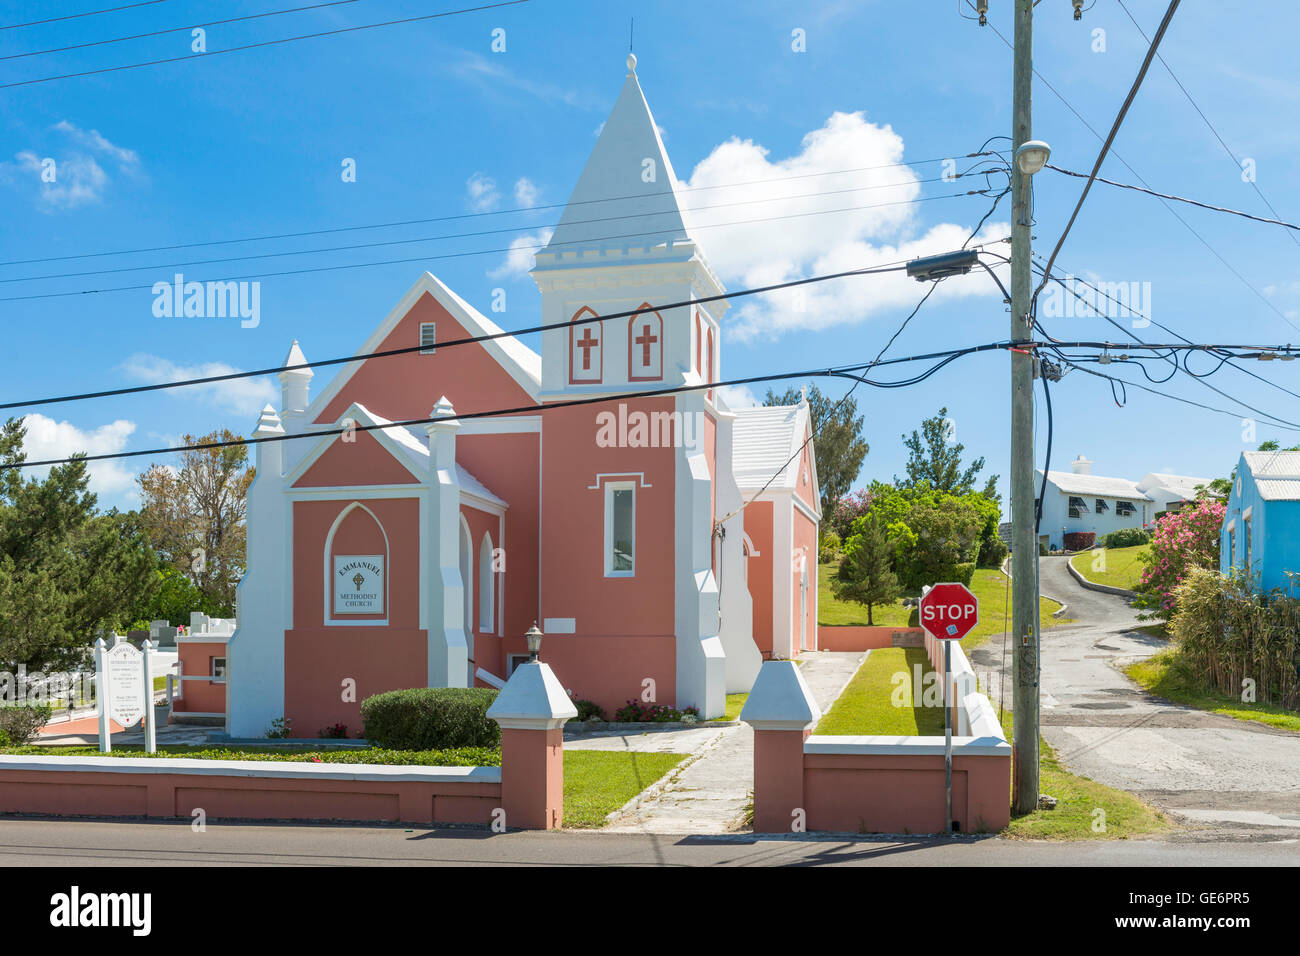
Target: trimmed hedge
431, 718
1079, 540
1126, 538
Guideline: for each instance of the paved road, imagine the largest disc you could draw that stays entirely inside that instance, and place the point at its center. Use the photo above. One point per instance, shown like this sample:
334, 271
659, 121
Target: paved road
85, 843
1206, 768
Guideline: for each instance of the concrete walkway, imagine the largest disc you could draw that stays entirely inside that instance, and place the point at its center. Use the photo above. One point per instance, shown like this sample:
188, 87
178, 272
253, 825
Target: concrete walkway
710, 791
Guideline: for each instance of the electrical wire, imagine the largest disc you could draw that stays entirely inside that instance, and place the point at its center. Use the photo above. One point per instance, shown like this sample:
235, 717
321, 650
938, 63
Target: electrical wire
75, 16
263, 43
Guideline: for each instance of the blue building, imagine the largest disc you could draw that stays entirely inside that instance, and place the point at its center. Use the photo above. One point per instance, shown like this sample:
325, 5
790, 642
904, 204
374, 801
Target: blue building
1261, 527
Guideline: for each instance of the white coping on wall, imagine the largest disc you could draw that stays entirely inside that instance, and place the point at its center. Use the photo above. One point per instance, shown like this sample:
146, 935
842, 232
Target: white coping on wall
204, 638
271, 769
886, 746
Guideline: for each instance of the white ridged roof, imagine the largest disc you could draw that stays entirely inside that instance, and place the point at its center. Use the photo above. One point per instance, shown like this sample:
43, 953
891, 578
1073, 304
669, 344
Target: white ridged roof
1277, 474
1072, 484
764, 439
1182, 485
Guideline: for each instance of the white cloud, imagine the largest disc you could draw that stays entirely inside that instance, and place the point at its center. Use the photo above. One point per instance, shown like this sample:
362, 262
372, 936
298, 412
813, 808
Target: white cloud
93, 139
493, 78
483, 195
244, 396
739, 396
865, 217
519, 260
69, 179
47, 438
526, 192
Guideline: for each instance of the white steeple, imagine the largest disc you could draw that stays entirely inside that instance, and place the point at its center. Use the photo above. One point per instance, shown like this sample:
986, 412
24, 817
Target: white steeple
628, 176
621, 244
294, 382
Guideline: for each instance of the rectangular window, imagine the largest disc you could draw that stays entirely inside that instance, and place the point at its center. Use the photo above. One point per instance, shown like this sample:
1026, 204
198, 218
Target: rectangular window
1078, 507
513, 661
1245, 551
1102, 506
620, 529
428, 338
1124, 508
218, 670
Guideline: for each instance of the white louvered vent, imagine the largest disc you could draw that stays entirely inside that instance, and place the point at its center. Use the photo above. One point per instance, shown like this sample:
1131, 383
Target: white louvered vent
428, 338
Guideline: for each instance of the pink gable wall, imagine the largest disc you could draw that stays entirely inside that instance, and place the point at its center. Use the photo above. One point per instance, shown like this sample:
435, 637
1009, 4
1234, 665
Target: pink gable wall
758, 525
361, 462
401, 387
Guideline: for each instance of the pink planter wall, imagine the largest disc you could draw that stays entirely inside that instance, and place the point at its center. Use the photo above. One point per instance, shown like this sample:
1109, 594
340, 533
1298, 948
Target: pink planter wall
860, 638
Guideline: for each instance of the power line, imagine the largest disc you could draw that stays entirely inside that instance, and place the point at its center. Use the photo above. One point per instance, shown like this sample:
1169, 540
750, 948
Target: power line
1226, 148
493, 212
74, 16
1110, 138
897, 266
158, 33
1183, 199
264, 43
481, 252
947, 356
1138, 176
468, 235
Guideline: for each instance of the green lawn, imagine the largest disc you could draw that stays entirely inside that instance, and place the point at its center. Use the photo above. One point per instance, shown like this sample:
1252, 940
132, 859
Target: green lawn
1115, 567
735, 703
598, 782
1169, 676
988, 584
1078, 800
869, 704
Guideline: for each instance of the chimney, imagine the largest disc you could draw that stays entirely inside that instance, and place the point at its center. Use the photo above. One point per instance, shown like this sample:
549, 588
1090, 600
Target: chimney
1081, 466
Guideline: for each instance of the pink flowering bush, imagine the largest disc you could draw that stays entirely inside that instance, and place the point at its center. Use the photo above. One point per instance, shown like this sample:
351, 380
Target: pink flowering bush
1182, 541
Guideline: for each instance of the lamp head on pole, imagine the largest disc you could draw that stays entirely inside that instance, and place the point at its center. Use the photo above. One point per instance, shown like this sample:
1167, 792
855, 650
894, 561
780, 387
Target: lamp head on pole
1032, 156
534, 638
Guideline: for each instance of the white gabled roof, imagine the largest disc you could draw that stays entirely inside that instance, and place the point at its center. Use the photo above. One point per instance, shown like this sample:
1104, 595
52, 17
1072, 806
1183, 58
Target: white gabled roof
519, 361
1073, 484
764, 440
613, 206
1184, 486
1277, 474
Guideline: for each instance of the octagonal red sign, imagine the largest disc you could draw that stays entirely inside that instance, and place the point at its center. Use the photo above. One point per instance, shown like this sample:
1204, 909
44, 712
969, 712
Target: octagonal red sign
949, 611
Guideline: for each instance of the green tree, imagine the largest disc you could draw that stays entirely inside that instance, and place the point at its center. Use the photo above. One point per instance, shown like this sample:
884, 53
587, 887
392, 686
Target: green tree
66, 571
934, 460
865, 575
838, 445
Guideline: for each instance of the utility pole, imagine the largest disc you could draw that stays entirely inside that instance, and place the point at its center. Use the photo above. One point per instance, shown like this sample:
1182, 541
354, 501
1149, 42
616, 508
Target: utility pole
1024, 540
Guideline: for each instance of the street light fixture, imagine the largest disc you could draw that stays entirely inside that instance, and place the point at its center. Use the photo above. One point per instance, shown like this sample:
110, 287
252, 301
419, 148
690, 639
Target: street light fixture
534, 638
1032, 156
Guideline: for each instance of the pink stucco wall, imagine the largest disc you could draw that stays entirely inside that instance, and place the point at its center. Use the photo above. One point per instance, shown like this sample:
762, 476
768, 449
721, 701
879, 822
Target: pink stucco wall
758, 525
200, 696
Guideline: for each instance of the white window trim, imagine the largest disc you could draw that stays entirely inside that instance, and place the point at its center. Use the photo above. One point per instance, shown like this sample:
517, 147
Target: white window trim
610, 488
433, 328
225, 664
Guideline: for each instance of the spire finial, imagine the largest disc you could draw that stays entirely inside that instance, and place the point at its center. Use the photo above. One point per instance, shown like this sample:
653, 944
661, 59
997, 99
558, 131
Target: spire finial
631, 64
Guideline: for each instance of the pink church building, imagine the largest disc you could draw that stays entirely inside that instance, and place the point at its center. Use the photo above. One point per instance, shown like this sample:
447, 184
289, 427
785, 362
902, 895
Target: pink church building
412, 556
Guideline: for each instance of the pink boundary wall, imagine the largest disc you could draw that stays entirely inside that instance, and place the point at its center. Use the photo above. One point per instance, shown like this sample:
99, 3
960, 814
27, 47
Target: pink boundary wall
528, 787
853, 637
873, 784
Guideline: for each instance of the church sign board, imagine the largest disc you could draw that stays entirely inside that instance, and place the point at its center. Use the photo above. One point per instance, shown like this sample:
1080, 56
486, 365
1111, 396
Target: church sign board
359, 584
126, 692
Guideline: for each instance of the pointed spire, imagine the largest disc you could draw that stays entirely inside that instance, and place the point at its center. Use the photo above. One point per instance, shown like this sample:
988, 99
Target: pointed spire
295, 357
628, 175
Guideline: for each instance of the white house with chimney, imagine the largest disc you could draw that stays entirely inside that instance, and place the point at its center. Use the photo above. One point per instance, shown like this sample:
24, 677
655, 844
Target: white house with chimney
1078, 500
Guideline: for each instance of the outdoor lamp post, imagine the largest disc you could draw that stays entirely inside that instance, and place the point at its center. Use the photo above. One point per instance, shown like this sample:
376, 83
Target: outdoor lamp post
534, 638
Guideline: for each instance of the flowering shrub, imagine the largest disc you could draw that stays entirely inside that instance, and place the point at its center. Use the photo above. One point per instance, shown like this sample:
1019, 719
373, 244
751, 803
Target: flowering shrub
634, 712
1079, 540
846, 510
334, 730
1182, 541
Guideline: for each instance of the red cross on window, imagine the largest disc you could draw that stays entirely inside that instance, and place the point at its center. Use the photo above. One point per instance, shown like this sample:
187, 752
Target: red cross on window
645, 340
587, 343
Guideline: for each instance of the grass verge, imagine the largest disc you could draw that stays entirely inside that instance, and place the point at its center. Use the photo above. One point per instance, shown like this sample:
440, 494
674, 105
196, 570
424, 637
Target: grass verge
1113, 567
598, 782
735, 703
867, 705
1172, 677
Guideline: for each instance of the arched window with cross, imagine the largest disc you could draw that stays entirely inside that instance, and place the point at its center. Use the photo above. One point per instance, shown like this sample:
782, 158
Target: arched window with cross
586, 358
645, 346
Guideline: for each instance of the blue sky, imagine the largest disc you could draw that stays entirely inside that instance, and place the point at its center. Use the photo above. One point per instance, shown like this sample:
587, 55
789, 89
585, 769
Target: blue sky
440, 124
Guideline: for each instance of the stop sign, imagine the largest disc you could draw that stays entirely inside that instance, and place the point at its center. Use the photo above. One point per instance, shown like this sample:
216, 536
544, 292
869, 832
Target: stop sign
949, 611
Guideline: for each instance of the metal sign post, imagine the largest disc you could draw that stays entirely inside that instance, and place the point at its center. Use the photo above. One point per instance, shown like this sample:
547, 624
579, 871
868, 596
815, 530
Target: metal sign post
948, 612
947, 734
